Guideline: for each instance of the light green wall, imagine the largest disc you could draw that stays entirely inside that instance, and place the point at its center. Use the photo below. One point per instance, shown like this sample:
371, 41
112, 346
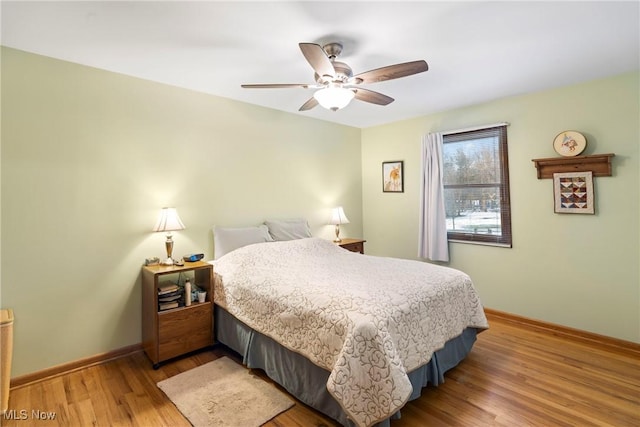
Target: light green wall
88, 159
580, 271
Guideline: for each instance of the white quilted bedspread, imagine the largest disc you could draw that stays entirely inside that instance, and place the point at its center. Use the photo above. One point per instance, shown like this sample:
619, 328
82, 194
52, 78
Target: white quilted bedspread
368, 320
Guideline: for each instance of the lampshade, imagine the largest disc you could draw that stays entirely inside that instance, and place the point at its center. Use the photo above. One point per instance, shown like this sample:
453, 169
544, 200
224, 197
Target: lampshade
338, 216
169, 220
334, 97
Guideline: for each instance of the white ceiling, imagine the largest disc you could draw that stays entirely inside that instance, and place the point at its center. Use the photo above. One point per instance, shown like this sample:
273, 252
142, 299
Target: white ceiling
477, 51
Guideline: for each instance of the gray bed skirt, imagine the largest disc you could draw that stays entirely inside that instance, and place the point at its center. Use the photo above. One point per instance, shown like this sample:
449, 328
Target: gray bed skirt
307, 381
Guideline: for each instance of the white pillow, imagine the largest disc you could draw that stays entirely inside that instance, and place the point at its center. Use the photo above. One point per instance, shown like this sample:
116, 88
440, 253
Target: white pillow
288, 229
227, 239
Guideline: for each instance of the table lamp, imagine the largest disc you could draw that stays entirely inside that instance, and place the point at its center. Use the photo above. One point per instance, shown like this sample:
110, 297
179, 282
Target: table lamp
169, 221
338, 217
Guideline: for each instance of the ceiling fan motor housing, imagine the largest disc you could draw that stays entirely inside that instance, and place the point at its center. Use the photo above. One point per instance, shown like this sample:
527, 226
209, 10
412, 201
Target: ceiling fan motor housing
343, 73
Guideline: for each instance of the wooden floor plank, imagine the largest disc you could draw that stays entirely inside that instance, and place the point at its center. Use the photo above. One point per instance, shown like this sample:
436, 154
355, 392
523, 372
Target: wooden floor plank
514, 376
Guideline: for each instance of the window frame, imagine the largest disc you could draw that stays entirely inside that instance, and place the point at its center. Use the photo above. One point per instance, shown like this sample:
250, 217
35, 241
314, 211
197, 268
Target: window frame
506, 238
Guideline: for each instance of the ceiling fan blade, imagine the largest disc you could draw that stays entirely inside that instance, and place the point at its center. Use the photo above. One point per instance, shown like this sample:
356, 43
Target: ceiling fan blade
275, 86
367, 95
318, 59
391, 72
311, 103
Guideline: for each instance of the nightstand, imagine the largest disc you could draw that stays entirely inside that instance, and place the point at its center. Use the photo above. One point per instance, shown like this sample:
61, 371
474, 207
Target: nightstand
176, 331
353, 245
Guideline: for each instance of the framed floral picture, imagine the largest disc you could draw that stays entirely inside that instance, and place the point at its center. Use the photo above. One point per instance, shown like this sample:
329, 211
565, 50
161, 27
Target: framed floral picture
573, 192
393, 177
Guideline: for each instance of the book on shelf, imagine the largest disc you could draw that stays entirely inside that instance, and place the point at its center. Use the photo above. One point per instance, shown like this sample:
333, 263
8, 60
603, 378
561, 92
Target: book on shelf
168, 305
167, 288
170, 297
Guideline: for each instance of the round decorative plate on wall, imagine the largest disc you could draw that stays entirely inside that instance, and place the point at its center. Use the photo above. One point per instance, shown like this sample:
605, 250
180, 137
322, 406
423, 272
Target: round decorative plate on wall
569, 143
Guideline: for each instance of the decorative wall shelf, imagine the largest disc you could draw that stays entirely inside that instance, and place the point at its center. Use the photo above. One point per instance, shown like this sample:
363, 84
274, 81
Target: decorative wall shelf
599, 164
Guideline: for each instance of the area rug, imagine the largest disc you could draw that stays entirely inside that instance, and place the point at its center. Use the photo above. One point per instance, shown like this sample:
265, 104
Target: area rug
223, 393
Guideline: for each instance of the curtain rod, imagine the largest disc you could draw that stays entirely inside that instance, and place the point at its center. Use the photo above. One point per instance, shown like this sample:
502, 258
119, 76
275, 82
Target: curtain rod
469, 129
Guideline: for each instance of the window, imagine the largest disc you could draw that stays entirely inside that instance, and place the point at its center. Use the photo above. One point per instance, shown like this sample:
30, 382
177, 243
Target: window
476, 186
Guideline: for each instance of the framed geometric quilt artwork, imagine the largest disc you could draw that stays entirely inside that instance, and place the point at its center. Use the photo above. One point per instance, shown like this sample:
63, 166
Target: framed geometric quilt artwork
573, 192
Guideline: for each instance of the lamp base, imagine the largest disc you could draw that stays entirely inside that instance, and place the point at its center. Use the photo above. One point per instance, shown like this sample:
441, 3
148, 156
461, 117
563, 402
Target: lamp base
168, 244
337, 239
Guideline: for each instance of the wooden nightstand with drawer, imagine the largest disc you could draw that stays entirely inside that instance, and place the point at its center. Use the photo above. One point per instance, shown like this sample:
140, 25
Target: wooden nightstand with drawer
172, 332
353, 245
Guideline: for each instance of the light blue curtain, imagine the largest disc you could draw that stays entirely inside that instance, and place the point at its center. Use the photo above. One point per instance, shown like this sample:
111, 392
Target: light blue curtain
432, 240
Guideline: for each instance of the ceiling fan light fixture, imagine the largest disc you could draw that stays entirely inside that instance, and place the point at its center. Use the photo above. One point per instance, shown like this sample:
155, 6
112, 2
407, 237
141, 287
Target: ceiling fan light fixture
334, 97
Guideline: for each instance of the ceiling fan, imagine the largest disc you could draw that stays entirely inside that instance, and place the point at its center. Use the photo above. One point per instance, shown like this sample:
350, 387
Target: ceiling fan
335, 81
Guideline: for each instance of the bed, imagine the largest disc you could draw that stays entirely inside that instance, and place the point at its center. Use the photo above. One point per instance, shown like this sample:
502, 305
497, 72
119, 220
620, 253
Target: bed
354, 336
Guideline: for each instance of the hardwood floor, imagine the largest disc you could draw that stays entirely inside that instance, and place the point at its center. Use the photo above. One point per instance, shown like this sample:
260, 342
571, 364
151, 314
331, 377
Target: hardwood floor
515, 376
